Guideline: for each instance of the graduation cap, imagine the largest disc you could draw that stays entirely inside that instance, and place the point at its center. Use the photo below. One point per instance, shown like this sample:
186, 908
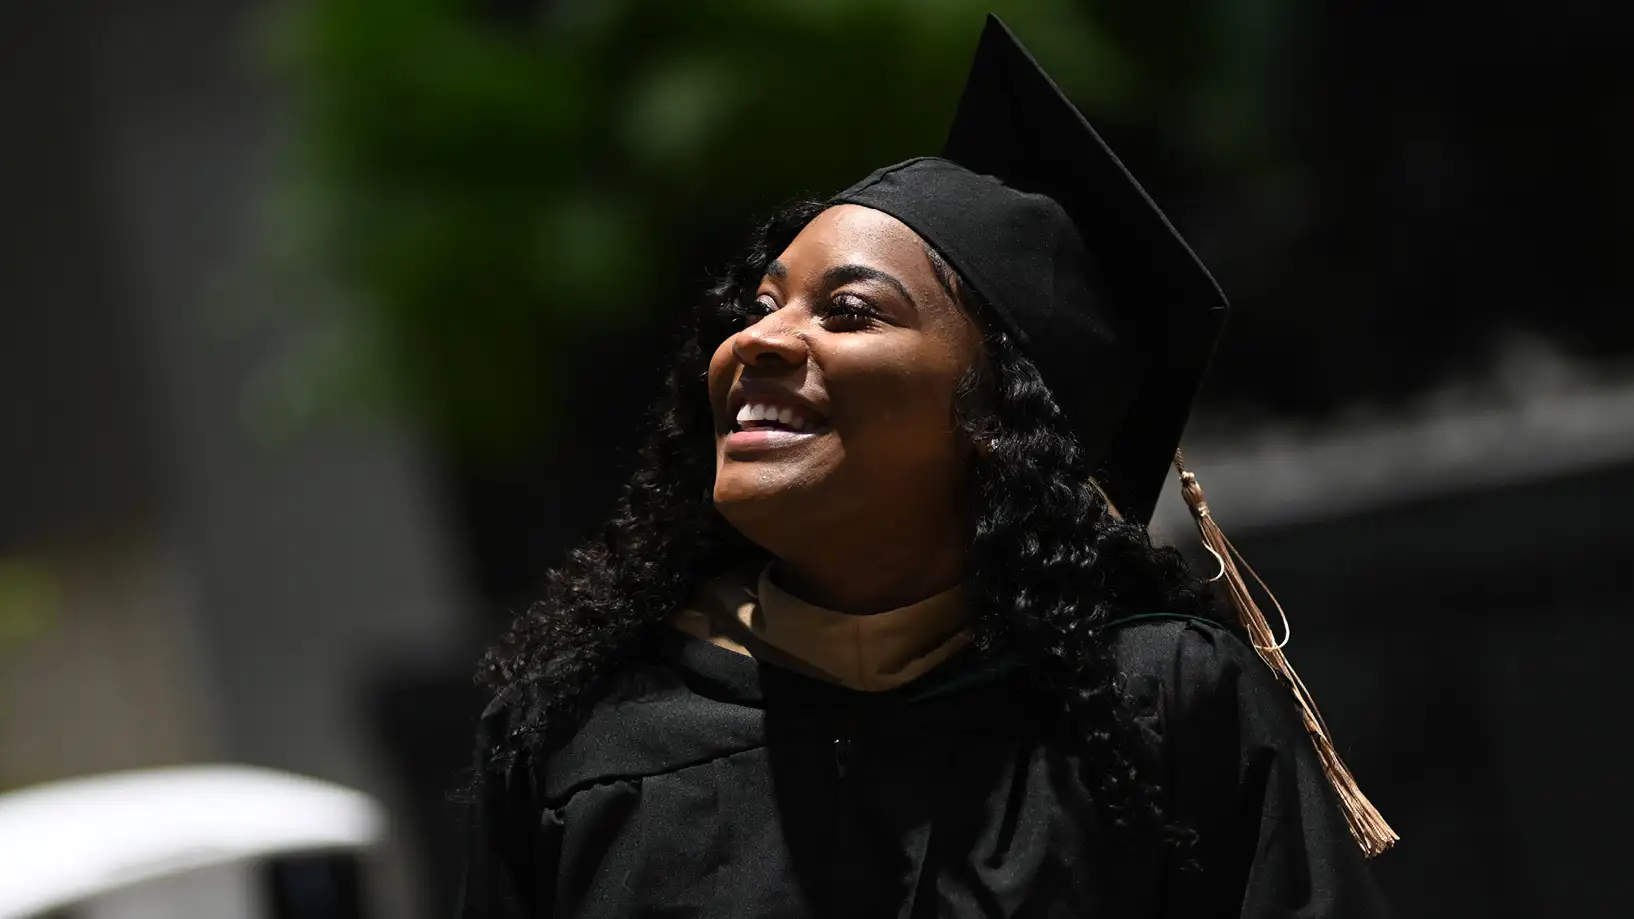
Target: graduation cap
1072, 257
1078, 264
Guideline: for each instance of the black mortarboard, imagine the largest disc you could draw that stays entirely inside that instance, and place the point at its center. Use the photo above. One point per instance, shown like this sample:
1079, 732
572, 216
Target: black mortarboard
1042, 220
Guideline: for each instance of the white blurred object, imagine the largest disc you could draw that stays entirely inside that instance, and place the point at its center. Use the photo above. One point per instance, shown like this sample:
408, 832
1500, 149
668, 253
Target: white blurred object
178, 843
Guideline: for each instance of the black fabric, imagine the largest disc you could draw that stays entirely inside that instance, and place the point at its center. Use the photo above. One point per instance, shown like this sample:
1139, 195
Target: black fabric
1040, 217
718, 786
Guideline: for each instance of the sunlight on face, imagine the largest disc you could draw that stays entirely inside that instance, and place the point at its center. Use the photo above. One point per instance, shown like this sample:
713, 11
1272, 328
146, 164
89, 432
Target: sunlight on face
835, 403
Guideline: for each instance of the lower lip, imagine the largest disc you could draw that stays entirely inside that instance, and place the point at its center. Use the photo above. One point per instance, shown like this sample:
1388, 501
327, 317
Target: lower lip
767, 439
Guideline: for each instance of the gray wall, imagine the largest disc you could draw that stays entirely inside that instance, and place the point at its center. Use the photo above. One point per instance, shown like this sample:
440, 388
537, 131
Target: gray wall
272, 584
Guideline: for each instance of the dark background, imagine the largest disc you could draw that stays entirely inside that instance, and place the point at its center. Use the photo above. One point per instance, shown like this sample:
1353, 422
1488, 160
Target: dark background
326, 326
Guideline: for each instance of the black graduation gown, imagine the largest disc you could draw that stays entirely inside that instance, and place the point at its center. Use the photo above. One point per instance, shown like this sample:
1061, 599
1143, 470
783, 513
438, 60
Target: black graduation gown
729, 787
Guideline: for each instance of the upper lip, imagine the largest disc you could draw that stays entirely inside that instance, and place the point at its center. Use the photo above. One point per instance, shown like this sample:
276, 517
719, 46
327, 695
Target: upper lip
744, 392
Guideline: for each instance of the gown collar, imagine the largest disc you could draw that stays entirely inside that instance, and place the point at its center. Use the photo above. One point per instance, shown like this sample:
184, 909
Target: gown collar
872, 653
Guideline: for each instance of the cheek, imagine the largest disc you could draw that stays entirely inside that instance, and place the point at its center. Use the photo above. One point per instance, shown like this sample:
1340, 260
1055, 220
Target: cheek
720, 371
902, 400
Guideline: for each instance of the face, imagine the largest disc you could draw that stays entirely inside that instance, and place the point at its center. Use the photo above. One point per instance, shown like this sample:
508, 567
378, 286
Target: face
834, 405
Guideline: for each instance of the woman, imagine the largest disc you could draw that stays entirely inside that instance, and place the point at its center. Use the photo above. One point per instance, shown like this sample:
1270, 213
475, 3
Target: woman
877, 629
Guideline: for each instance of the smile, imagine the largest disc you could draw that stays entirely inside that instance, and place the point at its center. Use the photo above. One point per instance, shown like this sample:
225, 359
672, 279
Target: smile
762, 426
761, 416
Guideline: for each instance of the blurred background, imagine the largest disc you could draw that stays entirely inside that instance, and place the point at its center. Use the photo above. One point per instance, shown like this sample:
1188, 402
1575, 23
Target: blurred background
324, 327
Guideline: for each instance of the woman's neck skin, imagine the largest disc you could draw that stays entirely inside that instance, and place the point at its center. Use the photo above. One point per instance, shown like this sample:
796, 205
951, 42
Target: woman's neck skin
889, 568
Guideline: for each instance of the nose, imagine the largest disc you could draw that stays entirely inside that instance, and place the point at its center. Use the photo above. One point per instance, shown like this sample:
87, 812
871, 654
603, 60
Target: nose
769, 345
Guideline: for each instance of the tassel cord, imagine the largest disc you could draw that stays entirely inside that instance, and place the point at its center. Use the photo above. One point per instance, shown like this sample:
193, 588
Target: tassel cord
1367, 825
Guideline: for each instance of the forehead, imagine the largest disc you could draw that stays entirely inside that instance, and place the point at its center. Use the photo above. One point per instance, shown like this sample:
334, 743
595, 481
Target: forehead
852, 234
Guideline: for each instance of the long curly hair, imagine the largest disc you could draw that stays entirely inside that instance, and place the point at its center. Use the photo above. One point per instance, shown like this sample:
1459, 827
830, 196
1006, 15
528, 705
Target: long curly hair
1049, 565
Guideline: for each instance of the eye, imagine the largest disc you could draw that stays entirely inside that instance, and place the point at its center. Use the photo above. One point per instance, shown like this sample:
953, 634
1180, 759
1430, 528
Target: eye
740, 314
848, 312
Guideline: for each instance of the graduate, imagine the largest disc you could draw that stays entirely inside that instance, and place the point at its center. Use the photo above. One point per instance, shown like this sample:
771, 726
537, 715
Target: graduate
877, 629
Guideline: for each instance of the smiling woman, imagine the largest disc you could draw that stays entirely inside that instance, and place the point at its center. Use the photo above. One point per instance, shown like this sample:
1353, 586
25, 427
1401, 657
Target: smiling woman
886, 649
851, 328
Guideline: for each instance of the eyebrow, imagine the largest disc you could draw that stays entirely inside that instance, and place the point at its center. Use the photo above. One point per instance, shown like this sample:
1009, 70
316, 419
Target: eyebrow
845, 274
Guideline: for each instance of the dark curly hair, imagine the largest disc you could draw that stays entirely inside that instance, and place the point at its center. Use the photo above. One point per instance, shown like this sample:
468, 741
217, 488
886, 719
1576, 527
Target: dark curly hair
1049, 565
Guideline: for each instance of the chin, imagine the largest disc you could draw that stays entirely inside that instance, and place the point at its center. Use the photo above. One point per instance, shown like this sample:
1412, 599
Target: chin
741, 496
769, 514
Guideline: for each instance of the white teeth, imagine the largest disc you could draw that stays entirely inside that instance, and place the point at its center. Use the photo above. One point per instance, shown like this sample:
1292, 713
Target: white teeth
787, 416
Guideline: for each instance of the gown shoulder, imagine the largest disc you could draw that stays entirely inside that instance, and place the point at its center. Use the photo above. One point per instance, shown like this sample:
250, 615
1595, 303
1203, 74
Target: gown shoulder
1242, 776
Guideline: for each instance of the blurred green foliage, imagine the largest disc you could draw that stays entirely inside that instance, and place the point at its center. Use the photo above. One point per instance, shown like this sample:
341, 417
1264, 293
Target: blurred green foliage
501, 199
29, 596
493, 189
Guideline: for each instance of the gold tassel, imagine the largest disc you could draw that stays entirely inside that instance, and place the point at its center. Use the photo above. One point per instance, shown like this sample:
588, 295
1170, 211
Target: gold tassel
1366, 823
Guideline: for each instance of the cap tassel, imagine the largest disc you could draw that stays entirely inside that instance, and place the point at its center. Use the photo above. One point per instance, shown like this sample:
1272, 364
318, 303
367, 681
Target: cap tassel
1366, 823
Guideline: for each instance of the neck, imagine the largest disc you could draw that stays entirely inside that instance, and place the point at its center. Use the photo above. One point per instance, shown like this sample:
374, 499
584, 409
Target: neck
882, 575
